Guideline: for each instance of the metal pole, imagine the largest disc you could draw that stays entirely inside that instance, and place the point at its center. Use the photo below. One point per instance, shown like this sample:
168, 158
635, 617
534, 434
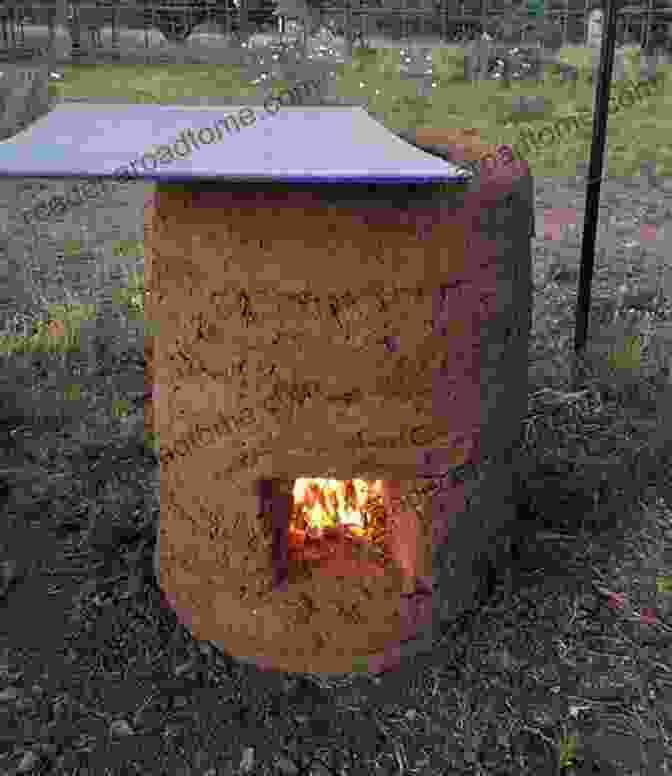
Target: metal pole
348, 28
147, 28
565, 24
648, 20
59, 19
76, 30
600, 112
115, 25
246, 21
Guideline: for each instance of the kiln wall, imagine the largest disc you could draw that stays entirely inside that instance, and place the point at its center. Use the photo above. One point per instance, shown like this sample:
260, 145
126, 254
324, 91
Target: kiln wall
412, 331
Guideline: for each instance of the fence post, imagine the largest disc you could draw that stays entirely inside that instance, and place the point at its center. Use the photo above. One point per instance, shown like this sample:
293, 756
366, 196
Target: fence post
595, 172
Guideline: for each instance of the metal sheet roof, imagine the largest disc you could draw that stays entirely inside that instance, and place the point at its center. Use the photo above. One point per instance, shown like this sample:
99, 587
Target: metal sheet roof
292, 145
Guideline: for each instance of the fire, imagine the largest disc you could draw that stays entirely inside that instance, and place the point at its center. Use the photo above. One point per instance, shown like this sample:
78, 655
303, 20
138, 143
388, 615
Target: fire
327, 503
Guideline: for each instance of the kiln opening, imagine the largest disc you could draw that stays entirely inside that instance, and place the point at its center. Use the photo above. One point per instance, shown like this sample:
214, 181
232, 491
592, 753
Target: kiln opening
336, 527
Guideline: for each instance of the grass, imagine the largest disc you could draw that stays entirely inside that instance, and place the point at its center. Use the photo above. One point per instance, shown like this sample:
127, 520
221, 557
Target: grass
570, 666
393, 99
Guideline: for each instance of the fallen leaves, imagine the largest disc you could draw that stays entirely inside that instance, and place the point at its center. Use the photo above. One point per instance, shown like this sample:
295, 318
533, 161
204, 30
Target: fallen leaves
619, 602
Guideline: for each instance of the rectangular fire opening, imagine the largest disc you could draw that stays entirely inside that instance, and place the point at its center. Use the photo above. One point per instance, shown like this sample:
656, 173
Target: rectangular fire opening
334, 527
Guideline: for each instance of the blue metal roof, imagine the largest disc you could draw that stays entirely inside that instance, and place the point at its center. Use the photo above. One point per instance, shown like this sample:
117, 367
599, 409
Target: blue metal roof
292, 145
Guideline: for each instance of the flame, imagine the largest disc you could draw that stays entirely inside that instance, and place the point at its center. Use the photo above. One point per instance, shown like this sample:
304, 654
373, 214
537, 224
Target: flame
327, 502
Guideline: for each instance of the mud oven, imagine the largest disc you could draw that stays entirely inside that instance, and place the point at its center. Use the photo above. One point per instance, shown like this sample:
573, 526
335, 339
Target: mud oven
340, 375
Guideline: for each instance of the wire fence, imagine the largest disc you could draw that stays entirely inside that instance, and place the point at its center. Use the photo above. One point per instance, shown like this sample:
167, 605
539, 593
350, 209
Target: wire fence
30, 28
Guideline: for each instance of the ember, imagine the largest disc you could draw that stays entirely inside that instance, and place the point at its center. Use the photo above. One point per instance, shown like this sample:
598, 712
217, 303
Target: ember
326, 503
326, 509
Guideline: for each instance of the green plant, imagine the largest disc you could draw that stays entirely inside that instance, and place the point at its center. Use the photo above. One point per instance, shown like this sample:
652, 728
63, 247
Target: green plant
366, 55
151, 440
133, 295
132, 298
567, 751
664, 584
72, 392
627, 354
535, 7
360, 664
58, 332
120, 408
72, 248
128, 248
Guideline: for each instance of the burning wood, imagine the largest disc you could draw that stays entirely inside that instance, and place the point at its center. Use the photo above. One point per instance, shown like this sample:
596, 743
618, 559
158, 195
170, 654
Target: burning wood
333, 509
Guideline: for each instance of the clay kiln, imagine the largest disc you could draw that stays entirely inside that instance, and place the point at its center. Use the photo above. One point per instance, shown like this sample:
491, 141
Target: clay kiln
344, 333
